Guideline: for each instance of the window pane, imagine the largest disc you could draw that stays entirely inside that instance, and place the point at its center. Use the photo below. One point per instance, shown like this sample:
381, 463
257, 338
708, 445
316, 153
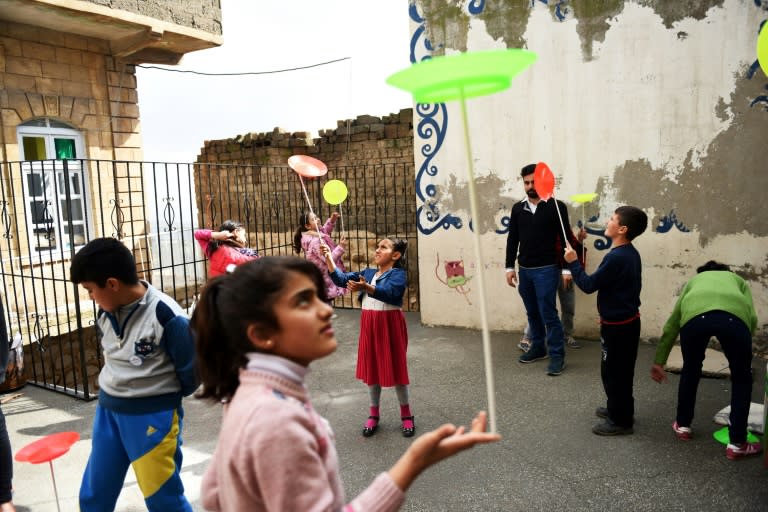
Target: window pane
65, 149
34, 148
59, 124
78, 232
39, 212
35, 122
45, 239
35, 184
74, 188
77, 210
74, 184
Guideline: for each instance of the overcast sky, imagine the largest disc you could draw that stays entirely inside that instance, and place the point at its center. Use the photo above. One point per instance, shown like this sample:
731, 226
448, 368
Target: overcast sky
179, 111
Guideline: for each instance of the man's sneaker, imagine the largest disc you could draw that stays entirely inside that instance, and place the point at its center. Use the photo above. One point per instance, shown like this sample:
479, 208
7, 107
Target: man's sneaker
556, 366
609, 428
683, 433
572, 343
739, 451
531, 356
602, 412
525, 344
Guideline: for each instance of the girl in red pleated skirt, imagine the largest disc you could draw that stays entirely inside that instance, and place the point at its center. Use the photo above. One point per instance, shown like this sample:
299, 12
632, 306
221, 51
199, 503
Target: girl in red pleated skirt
383, 343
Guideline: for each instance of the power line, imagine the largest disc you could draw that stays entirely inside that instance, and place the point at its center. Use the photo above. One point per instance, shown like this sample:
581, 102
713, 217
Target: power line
247, 72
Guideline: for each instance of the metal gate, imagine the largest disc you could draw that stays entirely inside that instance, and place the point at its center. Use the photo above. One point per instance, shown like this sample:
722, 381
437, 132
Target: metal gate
49, 209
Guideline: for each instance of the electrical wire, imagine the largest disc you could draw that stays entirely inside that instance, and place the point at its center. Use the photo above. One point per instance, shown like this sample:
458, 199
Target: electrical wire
247, 72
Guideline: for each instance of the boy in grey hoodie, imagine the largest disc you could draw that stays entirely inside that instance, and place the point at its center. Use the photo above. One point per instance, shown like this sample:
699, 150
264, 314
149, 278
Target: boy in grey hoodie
148, 368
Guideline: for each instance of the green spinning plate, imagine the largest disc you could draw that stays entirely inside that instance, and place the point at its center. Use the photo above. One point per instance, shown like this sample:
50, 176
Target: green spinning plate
762, 49
463, 75
583, 198
723, 437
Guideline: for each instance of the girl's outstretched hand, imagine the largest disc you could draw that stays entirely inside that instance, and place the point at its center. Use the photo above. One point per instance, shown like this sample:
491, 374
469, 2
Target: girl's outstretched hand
437, 445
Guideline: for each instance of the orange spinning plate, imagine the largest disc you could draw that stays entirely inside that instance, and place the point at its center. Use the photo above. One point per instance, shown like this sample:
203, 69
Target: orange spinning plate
543, 181
307, 166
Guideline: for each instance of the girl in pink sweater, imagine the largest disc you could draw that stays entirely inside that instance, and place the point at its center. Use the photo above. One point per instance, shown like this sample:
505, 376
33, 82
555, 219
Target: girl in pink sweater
310, 237
257, 330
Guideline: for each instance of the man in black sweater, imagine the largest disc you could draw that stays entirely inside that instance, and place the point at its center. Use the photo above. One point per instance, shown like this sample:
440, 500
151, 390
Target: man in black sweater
535, 231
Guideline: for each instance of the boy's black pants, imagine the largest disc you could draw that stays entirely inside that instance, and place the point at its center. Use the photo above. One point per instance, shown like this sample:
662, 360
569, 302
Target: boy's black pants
617, 369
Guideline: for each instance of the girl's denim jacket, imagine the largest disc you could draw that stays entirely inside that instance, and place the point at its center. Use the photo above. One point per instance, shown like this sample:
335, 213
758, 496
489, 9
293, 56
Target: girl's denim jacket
390, 287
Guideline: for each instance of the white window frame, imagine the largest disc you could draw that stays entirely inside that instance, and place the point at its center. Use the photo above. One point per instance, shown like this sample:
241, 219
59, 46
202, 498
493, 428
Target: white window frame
52, 172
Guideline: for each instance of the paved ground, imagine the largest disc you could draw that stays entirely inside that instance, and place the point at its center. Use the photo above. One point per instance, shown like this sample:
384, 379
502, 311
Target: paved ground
548, 459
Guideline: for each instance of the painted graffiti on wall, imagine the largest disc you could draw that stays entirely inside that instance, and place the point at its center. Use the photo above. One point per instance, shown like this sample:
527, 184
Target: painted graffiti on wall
455, 277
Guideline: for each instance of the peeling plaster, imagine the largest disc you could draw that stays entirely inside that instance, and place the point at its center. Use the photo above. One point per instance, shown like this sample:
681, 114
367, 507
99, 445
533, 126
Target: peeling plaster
447, 21
713, 198
455, 197
593, 21
507, 21
672, 12
446, 24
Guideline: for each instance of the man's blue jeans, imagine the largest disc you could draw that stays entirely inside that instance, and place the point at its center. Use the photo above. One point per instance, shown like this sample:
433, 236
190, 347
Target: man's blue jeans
538, 289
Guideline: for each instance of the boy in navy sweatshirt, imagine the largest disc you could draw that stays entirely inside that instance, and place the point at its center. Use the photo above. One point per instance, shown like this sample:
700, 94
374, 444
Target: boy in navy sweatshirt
617, 282
148, 368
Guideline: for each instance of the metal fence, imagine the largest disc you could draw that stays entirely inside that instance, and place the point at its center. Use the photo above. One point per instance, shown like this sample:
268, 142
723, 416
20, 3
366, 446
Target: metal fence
49, 209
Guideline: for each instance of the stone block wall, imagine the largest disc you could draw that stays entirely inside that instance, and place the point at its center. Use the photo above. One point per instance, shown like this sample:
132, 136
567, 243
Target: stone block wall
365, 139
357, 151
70, 78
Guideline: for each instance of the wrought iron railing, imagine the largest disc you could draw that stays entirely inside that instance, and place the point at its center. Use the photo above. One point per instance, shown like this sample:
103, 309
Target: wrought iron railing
49, 209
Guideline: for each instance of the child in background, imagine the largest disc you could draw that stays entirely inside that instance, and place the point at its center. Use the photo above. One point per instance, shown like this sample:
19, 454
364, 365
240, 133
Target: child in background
309, 239
148, 368
275, 453
383, 342
225, 248
565, 293
617, 282
6, 455
716, 303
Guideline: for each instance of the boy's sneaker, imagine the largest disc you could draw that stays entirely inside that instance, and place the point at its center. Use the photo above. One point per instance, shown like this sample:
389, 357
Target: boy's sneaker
572, 343
682, 433
531, 356
556, 366
602, 412
739, 451
525, 344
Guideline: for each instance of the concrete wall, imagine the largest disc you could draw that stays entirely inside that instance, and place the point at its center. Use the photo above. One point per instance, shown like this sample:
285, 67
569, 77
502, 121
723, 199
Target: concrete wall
200, 14
657, 104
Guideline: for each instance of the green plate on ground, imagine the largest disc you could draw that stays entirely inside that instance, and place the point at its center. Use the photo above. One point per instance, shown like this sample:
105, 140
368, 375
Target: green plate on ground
723, 437
463, 75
